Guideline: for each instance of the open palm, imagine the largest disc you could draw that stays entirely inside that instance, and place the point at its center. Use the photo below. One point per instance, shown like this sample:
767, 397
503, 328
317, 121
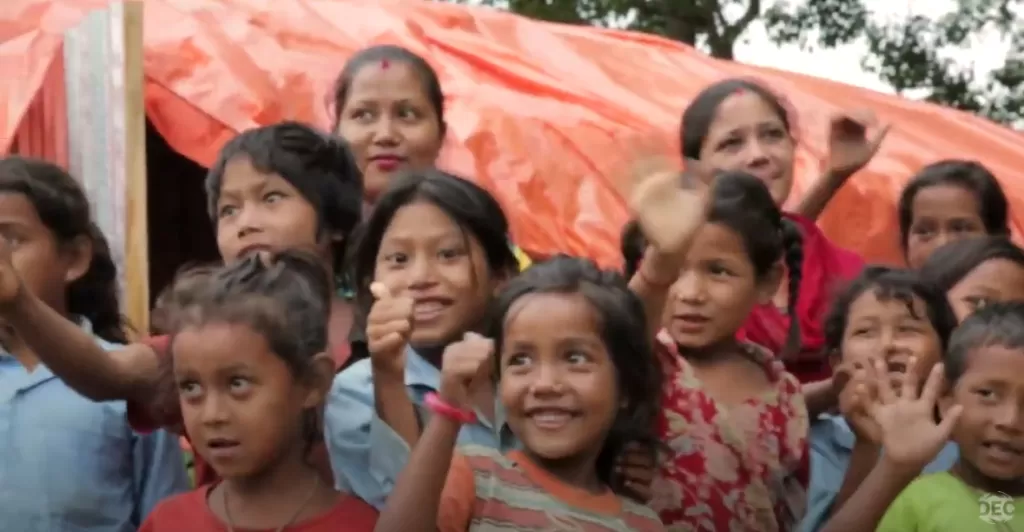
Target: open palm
854, 139
911, 437
668, 211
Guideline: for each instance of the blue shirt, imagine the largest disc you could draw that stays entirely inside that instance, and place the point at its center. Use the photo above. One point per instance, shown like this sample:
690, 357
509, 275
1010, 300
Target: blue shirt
366, 454
831, 442
68, 464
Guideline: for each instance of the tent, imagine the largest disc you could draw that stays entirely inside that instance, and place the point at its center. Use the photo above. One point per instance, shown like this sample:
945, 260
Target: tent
539, 113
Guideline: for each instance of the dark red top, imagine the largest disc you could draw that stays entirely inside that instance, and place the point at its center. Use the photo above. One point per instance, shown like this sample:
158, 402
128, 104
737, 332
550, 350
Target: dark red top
189, 511
826, 267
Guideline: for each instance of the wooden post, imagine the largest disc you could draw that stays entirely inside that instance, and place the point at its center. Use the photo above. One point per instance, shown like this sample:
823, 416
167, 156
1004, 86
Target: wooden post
107, 139
136, 238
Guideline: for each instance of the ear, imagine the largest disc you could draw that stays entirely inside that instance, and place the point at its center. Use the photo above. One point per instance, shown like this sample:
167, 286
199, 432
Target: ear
320, 379
769, 285
78, 258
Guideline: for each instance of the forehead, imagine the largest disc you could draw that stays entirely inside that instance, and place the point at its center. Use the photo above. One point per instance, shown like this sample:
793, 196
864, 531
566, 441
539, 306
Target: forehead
386, 80
215, 345
1002, 363
565, 316
999, 275
716, 240
240, 175
421, 220
741, 110
870, 305
944, 200
16, 208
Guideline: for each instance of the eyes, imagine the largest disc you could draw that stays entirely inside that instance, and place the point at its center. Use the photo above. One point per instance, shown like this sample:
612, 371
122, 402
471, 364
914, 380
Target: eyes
269, 198
370, 114
573, 359
927, 229
237, 386
735, 142
446, 254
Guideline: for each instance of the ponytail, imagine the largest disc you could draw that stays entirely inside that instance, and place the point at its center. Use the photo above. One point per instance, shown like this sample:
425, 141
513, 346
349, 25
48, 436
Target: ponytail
94, 295
793, 245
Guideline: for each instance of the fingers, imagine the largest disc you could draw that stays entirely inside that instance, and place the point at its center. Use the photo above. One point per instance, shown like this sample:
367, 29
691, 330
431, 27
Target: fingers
909, 384
883, 388
879, 135
949, 419
389, 343
933, 386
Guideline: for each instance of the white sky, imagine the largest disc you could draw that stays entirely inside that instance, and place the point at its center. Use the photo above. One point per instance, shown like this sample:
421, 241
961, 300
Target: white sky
843, 64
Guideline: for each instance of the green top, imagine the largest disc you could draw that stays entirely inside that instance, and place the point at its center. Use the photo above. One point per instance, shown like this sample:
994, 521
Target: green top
940, 502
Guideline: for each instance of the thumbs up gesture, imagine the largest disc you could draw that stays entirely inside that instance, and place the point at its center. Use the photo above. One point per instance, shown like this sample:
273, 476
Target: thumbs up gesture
466, 366
388, 328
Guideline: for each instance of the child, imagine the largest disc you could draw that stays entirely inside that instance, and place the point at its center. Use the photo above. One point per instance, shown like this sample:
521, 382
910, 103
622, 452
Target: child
578, 381
946, 201
432, 253
250, 364
740, 125
977, 271
981, 408
885, 314
272, 188
68, 463
734, 419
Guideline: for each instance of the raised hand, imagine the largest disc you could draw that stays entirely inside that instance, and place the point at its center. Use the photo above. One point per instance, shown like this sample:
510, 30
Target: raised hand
853, 139
857, 390
669, 205
465, 366
911, 436
388, 328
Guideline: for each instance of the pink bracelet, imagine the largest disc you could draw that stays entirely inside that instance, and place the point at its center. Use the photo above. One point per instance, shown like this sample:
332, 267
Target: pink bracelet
442, 407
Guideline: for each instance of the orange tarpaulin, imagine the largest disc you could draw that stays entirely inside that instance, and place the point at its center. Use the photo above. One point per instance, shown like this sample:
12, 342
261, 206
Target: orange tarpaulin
538, 113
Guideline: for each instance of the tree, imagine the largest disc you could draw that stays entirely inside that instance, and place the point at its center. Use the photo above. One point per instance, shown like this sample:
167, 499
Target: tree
700, 23
912, 55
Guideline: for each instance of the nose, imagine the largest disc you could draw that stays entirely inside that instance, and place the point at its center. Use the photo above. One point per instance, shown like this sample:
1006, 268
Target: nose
689, 288
214, 410
422, 273
386, 132
755, 154
1008, 417
247, 221
547, 380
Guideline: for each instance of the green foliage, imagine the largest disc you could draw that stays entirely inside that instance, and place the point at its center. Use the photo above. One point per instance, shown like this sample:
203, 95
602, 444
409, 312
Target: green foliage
913, 54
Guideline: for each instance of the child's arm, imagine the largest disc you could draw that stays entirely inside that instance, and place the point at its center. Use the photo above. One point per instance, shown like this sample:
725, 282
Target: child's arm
428, 496
869, 504
820, 397
73, 355
159, 471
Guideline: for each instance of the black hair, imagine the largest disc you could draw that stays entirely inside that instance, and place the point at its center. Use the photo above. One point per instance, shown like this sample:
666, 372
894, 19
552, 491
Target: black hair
623, 327
969, 175
63, 208
319, 166
397, 54
286, 298
700, 114
633, 244
471, 207
996, 325
184, 291
889, 284
742, 203
953, 261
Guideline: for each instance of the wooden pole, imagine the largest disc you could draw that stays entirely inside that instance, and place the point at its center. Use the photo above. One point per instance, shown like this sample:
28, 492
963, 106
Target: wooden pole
136, 236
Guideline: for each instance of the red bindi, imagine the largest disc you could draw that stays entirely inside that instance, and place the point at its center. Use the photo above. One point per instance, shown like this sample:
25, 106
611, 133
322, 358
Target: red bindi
384, 64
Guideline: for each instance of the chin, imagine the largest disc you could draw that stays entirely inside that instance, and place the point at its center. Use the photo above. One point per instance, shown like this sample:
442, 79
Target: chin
552, 450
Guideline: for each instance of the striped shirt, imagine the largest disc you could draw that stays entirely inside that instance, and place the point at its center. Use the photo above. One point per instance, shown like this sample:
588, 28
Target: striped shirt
488, 492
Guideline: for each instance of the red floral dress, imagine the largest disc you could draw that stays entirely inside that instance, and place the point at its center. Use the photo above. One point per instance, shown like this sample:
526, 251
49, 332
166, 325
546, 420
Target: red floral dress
736, 469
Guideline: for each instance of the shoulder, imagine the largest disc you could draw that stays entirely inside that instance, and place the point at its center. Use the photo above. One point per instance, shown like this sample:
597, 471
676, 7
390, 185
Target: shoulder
483, 457
356, 378
818, 249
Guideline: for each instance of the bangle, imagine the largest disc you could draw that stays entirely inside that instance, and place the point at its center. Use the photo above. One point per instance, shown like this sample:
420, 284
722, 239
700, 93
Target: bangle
442, 407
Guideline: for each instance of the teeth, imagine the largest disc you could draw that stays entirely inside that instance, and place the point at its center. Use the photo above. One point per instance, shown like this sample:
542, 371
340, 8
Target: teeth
428, 306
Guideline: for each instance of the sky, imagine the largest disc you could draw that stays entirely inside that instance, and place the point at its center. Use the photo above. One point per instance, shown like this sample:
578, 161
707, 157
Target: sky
843, 64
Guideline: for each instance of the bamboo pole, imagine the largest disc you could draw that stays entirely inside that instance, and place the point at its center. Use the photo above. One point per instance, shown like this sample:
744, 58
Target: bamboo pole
136, 235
